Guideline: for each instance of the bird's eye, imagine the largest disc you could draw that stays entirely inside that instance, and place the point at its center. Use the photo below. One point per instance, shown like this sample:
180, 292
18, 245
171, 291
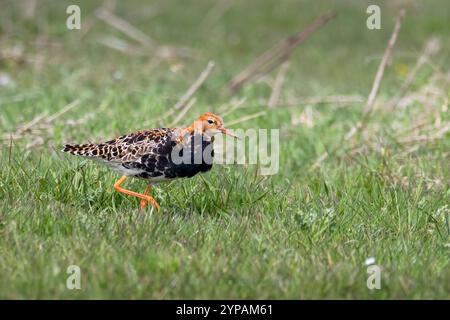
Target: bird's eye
210, 121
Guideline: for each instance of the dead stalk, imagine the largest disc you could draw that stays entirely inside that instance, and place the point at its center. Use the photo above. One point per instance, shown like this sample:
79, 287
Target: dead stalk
125, 27
183, 112
278, 85
246, 118
382, 66
190, 92
276, 55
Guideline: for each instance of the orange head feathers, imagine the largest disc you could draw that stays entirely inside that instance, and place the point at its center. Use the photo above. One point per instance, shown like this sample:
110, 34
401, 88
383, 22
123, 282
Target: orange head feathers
209, 123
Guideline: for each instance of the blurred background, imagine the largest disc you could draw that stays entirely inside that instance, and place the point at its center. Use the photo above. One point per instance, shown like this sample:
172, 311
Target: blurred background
351, 185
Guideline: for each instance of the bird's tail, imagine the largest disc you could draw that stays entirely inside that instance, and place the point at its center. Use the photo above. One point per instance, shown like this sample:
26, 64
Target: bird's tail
85, 150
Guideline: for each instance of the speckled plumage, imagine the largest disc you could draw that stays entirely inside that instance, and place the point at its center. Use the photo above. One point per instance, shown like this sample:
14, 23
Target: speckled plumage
157, 154
147, 154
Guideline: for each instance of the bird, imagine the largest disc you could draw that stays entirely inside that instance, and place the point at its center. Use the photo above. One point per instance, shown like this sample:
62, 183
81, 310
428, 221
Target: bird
157, 155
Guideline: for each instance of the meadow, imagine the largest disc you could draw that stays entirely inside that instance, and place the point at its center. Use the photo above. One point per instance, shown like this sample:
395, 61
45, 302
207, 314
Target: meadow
302, 233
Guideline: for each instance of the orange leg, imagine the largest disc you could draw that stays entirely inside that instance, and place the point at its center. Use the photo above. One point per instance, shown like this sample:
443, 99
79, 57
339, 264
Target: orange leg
144, 202
144, 197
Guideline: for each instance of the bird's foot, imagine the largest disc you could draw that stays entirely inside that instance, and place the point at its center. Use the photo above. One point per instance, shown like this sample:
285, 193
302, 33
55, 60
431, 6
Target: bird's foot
150, 200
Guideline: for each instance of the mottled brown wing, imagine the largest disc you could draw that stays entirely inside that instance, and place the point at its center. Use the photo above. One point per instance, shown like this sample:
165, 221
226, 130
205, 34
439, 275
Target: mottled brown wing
126, 148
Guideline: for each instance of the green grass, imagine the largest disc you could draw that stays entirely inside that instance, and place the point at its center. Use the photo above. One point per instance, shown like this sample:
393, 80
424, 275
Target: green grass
302, 233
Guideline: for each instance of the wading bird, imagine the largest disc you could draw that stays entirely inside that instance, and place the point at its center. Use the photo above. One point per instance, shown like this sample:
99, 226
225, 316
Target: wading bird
158, 155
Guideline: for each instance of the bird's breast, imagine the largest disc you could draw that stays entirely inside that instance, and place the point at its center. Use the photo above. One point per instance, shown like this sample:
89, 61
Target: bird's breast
171, 160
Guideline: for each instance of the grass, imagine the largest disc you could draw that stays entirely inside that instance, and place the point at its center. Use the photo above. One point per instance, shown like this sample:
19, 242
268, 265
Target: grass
303, 233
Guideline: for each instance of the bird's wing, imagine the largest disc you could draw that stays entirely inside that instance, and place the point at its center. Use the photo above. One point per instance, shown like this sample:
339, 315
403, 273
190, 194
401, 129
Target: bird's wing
126, 148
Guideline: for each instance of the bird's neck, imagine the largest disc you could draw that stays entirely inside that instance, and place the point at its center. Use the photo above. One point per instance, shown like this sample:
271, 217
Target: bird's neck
190, 129
194, 129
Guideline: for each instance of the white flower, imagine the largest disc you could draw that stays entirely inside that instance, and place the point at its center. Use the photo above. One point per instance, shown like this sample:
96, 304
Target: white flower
369, 261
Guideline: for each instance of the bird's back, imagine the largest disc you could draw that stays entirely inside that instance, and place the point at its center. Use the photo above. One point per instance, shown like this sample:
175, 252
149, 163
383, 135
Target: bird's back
149, 154
124, 148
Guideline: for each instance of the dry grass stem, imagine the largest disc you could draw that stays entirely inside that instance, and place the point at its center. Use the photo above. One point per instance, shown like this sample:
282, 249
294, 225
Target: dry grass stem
278, 85
246, 118
276, 55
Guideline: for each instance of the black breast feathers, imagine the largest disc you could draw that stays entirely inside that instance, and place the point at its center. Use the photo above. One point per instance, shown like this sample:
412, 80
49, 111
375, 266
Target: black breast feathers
170, 160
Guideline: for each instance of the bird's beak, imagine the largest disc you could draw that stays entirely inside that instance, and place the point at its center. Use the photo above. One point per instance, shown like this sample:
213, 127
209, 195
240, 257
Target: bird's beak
228, 133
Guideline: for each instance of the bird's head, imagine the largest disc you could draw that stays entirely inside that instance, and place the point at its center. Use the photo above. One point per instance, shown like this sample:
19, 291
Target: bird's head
211, 124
